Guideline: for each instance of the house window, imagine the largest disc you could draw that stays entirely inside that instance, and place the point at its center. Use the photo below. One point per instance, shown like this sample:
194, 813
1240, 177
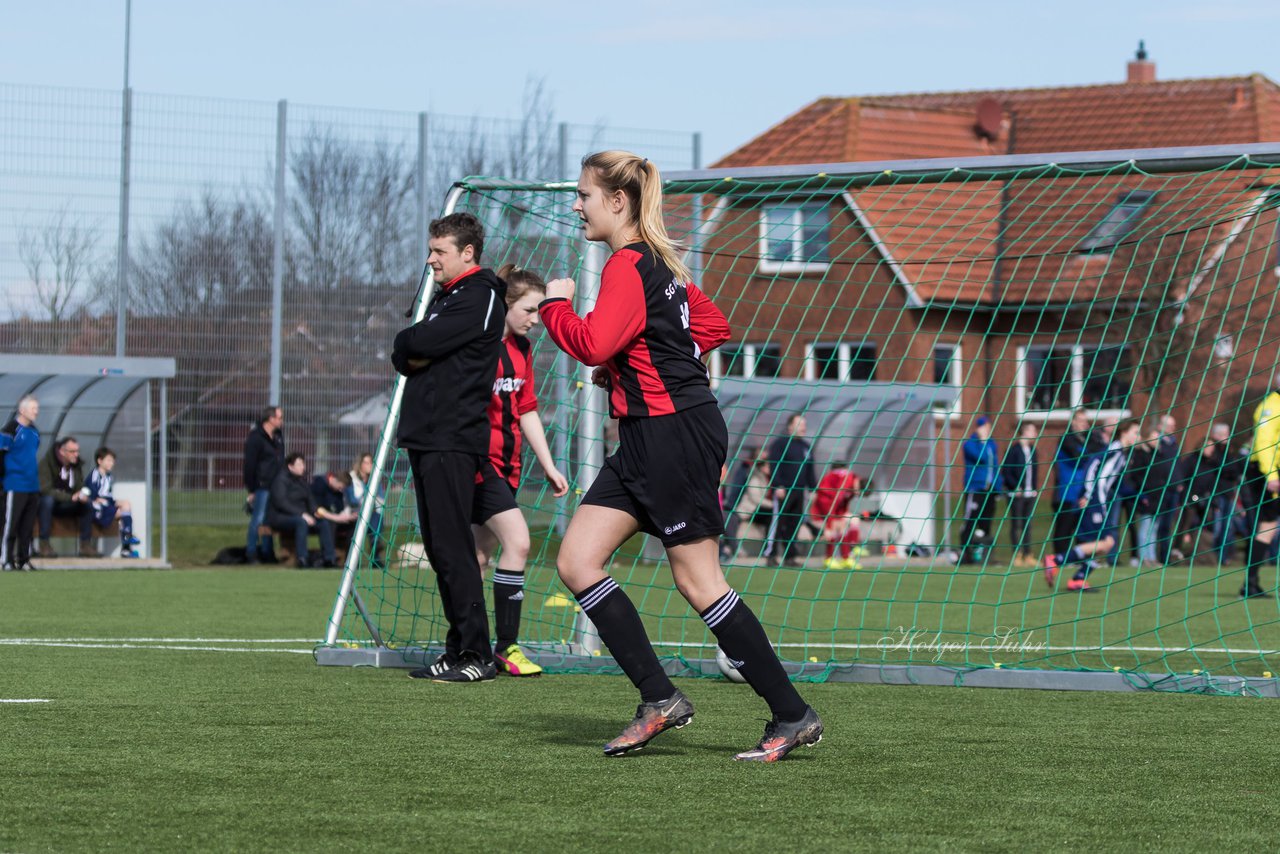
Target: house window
1066, 377
1117, 223
948, 369
746, 360
795, 237
840, 361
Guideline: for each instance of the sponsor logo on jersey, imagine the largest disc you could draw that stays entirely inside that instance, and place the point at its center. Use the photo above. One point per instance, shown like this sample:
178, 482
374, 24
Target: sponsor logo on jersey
507, 384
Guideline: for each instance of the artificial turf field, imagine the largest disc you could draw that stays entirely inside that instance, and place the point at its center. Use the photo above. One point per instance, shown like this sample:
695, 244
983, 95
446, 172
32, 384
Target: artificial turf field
243, 743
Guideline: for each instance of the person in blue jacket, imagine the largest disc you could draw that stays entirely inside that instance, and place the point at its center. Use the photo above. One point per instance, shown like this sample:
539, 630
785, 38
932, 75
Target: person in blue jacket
20, 440
981, 487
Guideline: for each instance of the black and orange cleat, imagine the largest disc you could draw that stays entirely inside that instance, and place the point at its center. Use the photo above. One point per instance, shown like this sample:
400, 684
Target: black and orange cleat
651, 719
782, 738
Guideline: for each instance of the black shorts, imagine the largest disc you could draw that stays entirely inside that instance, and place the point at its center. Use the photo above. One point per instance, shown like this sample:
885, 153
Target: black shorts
666, 474
493, 495
1260, 500
1097, 522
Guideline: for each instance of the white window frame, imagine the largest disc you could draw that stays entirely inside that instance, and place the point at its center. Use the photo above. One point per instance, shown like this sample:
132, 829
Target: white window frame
768, 265
1023, 394
955, 381
751, 352
844, 358
1125, 226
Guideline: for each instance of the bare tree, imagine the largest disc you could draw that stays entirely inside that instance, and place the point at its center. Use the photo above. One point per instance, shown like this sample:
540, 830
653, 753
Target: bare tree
59, 256
210, 255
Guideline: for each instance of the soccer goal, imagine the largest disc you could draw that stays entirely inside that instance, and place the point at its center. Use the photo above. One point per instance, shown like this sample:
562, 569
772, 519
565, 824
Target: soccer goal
966, 337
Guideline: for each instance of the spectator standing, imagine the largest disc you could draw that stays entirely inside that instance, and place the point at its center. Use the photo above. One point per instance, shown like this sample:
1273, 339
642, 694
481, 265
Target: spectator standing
1069, 463
263, 461
1262, 488
1226, 521
20, 440
1020, 477
1195, 479
981, 486
63, 493
1165, 460
293, 507
746, 497
1150, 474
792, 476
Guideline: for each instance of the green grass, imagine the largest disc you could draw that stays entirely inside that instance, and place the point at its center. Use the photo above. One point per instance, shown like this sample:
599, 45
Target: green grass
161, 750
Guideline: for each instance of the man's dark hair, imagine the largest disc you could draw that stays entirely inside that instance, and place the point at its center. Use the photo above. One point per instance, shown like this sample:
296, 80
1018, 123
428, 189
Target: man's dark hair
293, 458
267, 414
341, 477
64, 441
793, 417
464, 228
102, 453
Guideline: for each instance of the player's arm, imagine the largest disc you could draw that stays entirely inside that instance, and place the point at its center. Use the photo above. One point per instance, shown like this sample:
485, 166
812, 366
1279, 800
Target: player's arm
617, 320
536, 436
707, 324
463, 319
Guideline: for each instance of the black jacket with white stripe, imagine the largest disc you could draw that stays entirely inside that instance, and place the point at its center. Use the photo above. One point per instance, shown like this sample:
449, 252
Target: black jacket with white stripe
444, 405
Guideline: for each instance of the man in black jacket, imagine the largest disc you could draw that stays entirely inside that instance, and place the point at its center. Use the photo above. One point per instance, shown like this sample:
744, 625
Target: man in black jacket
790, 458
263, 460
449, 358
292, 507
1020, 477
62, 493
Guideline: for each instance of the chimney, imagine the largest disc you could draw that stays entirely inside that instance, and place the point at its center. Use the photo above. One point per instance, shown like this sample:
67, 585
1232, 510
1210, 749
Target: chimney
1140, 70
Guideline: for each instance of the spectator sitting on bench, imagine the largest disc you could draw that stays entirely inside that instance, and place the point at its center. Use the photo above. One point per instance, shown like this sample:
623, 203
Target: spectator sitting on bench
100, 484
330, 492
292, 508
63, 493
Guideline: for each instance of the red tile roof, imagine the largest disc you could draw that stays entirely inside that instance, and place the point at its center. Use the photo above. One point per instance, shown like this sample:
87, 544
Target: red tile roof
945, 235
1206, 111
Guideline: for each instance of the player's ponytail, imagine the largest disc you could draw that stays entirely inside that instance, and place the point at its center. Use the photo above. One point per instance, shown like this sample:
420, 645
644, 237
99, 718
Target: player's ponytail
640, 180
519, 282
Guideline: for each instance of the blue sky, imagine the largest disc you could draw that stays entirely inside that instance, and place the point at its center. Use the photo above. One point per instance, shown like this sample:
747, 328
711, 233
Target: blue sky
727, 68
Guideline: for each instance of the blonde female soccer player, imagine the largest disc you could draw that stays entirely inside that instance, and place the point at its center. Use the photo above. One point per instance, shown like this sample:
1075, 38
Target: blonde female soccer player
649, 330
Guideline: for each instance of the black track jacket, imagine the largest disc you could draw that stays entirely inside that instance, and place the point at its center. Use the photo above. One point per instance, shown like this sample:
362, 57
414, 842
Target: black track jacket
445, 404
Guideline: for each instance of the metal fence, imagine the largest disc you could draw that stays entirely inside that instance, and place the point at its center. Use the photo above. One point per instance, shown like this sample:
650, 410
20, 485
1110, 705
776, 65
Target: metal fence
271, 248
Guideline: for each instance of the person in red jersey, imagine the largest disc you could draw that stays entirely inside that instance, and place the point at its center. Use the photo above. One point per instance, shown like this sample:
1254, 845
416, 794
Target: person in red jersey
830, 513
647, 336
513, 420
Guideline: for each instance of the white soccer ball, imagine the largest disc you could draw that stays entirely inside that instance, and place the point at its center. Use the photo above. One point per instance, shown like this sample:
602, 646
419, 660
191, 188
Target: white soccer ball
728, 667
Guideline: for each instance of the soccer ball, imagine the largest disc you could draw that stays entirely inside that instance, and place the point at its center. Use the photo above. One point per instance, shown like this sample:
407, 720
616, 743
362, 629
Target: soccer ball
728, 667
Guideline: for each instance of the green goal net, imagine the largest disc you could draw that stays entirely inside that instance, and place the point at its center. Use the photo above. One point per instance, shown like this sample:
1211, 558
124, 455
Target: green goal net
896, 306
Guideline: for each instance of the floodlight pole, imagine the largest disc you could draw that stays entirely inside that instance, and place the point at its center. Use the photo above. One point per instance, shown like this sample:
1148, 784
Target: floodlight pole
591, 418
122, 247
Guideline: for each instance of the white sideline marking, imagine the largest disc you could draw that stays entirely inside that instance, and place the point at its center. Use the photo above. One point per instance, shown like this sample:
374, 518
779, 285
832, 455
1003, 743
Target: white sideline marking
174, 647
166, 640
1164, 649
26, 701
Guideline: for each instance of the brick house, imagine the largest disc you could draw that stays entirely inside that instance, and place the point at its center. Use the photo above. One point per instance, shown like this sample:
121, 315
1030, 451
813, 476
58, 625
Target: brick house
1124, 294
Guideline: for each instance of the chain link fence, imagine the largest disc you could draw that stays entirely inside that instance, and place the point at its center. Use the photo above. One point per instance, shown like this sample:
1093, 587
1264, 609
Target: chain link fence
227, 204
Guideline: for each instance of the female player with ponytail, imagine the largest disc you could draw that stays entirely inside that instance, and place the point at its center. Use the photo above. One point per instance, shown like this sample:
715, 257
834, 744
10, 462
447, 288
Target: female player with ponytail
513, 421
648, 333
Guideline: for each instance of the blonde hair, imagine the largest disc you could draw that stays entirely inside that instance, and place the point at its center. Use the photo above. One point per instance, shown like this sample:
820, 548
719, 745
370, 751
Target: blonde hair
640, 181
519, 282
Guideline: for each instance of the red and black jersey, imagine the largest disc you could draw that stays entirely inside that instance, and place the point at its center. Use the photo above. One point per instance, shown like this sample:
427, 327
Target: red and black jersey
513, 396
649, 329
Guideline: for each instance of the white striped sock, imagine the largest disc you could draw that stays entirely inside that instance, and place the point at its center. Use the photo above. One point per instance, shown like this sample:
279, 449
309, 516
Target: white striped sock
593, 596
715, 615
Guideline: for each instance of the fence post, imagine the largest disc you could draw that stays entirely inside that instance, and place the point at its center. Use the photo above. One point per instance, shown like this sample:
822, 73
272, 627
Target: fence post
122, 251
277, 254
424, 212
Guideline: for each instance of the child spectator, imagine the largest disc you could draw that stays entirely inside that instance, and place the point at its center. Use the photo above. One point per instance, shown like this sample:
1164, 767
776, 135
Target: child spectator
99, 490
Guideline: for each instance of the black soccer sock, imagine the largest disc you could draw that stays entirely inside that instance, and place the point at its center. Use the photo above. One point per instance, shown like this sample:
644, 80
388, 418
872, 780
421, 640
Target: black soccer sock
742, 638
126, 529
621, 630
508, 596
1259, 550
